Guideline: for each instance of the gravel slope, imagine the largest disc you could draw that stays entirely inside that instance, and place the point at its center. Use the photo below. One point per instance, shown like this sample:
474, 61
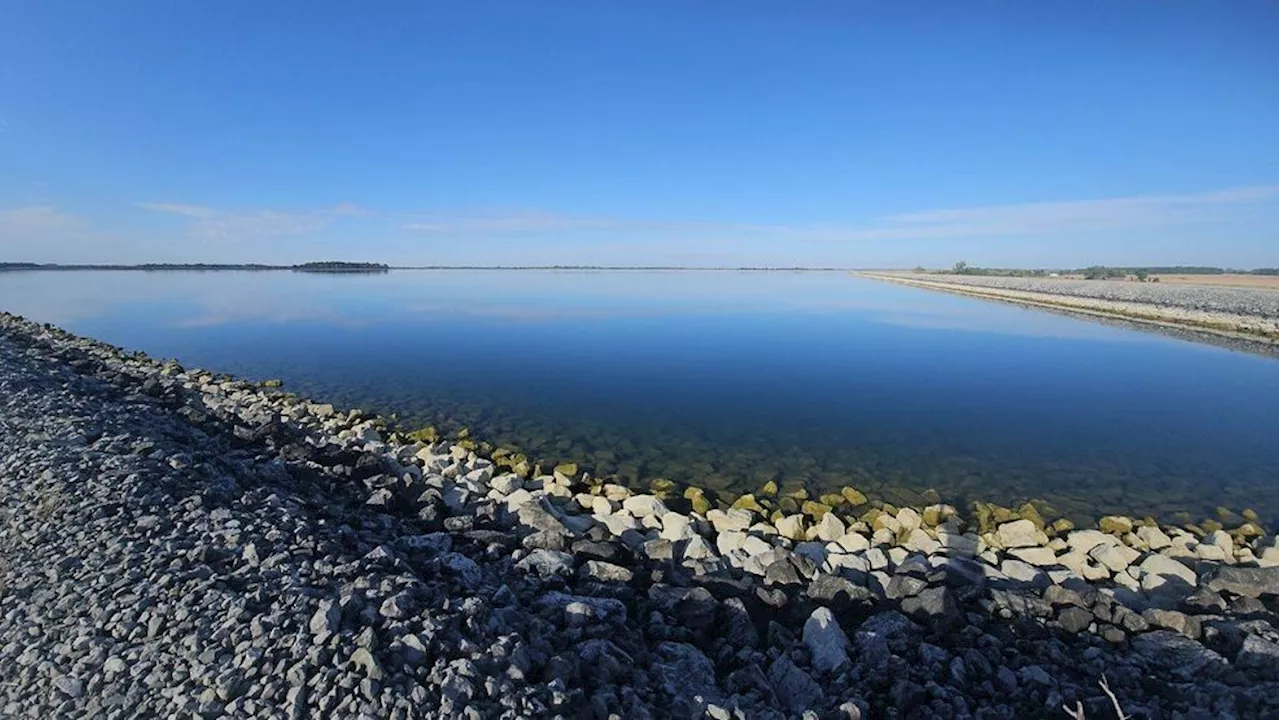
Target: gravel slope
1236, 301
179, 545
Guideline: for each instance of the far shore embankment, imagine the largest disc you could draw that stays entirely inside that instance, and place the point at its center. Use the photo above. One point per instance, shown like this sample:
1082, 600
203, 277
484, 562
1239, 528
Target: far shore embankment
1242, 315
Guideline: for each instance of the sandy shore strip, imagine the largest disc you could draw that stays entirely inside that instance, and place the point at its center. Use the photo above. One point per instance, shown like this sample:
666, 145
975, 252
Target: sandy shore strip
1247, 314
181, 543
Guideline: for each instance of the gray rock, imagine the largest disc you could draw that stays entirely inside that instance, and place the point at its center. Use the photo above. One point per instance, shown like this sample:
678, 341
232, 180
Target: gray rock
795, 689
1075, 619
933, 605
827, 643
685, 673
1257, 653
1246, 581
605, 572
547, 563
326, 618
1173, 620
1177, 654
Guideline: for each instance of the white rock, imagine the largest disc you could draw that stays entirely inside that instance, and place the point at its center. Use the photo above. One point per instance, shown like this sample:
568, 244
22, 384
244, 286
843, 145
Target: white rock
828, 645
675, 526
600, 505
854, 542
1115, 557
1086, 540
1270, 556
897, 555
697, 548
754, 546
791, 527
619, 523
1020, 533
1080, 564
1222, 540
1038, 556
1160, 565
829, 528
1024, 573
730, 520
1208, 551
920, 541
1153, 536
727, 542
909, 519
883, 536
644, 506
877, 559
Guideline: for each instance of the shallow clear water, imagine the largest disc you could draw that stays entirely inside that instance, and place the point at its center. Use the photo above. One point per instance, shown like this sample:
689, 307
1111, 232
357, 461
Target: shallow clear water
727, 379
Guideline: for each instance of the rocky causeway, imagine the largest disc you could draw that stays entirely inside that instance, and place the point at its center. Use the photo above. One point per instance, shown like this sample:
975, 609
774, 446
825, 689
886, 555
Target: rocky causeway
1246, 314
180, 543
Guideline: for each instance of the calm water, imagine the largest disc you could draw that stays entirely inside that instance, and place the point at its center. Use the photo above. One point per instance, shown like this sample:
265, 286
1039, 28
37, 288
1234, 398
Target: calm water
729, 379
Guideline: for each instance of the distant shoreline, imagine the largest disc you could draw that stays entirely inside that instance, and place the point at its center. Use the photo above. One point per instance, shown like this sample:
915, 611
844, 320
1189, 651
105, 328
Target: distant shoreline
1166, 312
32, 267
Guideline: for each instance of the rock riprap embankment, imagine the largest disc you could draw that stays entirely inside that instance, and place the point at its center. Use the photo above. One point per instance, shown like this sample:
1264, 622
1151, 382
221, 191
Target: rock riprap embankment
181, 544
1244, 313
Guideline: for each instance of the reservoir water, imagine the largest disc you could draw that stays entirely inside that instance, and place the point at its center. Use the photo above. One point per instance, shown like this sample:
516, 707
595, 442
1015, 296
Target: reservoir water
729, 379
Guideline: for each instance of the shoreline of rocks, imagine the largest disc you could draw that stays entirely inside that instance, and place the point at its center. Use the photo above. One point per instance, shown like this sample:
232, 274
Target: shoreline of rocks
343, 569
1242, 318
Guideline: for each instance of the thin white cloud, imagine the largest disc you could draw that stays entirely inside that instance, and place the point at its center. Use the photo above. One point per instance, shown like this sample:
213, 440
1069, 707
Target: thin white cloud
236, 225
179, 209
1025, 219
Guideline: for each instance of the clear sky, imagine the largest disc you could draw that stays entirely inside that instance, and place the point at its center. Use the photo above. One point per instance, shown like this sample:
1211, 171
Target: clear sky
859, 134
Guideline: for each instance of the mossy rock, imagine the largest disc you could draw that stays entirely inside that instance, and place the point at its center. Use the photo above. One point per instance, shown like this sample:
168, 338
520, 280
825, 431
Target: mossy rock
931, 516
747, 502
799, 493
272, 383
833, 499
1029, 512
1062, 525
662, 485
788, 505
1210, 525
776, 516
697, 500
463, 433
985, 518
1003, 514
769, 488
930, 497
870, 516
1248, 530
522, 468
468, 444
814, 510
853, 495
569, 470
1249, 514
427, 434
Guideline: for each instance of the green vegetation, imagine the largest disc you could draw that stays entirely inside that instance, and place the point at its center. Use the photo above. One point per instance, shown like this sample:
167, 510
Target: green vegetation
332, 266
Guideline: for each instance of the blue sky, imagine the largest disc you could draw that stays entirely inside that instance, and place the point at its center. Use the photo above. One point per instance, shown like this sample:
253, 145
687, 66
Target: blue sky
702, 133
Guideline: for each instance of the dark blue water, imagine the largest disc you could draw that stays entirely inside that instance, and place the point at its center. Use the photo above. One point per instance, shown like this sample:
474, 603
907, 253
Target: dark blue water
727, 379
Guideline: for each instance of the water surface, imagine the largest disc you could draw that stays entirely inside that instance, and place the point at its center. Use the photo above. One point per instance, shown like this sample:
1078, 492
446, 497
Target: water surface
729, 379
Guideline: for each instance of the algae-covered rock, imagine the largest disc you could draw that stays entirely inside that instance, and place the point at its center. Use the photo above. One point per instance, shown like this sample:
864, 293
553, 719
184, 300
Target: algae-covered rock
853, 495
1209, 526
522, 468
1027, 511
1115, 525
930, 497
1062, 525
1249, 514
429, 434
799, 494
814, 510
788, 505
568, 470
769, 488
833, 499
1248, 530
747, 502
272, 383
662, 485
698, 501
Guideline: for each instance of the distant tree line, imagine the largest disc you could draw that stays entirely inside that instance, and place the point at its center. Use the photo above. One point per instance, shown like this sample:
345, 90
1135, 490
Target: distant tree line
330, 266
